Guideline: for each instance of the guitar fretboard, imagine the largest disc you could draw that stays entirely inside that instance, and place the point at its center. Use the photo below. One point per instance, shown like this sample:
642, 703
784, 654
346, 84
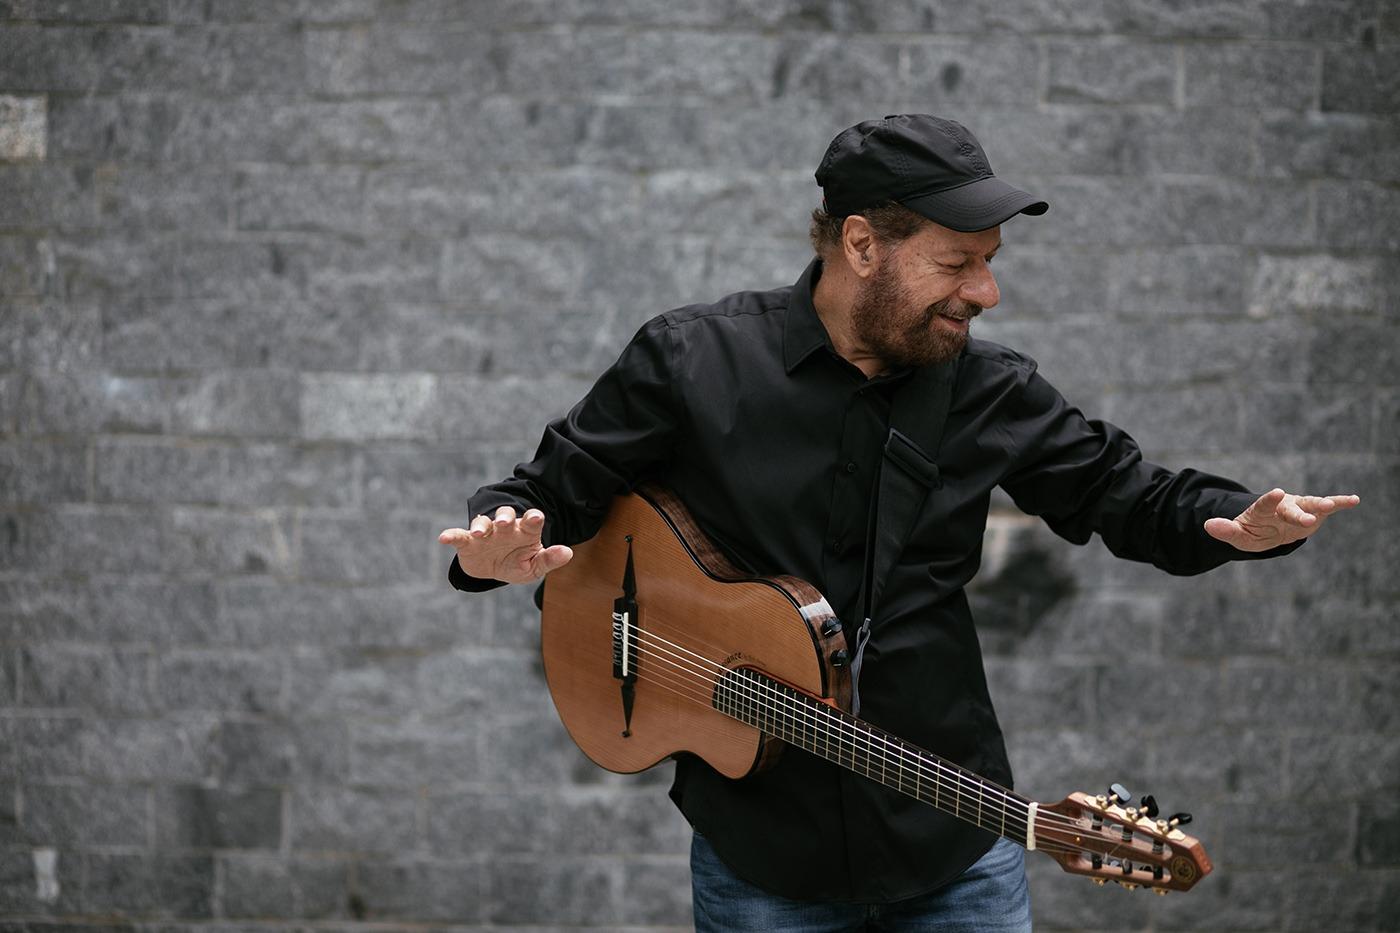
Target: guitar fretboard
840, 738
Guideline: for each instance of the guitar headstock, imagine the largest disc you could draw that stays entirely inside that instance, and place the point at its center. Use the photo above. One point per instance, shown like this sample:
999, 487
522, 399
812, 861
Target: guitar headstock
1107, 840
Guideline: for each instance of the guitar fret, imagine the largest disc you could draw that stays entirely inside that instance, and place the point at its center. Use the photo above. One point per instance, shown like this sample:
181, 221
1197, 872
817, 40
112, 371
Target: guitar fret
786, 714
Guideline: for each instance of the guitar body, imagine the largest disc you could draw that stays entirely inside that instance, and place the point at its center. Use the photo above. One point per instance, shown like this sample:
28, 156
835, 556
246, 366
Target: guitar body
697, 616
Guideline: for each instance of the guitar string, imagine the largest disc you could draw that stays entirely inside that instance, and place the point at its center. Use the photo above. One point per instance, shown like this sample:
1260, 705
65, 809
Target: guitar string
959, 776
1046, 844
899, 755
790, 708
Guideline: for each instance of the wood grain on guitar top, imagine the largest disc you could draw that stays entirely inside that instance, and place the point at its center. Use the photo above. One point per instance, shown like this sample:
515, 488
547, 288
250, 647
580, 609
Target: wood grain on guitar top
699, 615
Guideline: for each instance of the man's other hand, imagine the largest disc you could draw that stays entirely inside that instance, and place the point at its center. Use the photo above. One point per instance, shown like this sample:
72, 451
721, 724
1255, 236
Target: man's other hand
506, 548
1277, 518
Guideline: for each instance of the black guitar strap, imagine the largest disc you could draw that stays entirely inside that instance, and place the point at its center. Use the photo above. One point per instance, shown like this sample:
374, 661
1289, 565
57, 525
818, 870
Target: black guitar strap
908, 472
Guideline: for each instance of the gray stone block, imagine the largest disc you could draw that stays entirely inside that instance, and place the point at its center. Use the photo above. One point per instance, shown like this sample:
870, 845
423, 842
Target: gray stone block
352, 819
1247, 75
1341, 765
369, 270
1360, 82
223, 542
159, 471
338, 60
240, 404
149, 885
506, 821
96, 11
41, 196
216, 818
1329, 145
43, 746
452, 59
1358, 216
272, 612
357, 683
26, 266
656, 891
402, 889
1215, 763
9, 821
1294, 695
310, 199
280, 751
1024, 689
379, 406
409, 755
1111, 72
70, 816
221, 681
1320, 282
423, 476
297, 11
24, 128
275, 475
55, 677
1170, 212
256, 886
43, 472
21, 893
78, 537
149, 749
366, 548
574, 891
146, 198
99, 611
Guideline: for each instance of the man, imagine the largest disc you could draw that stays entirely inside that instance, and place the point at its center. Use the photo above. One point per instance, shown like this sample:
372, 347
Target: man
768, 414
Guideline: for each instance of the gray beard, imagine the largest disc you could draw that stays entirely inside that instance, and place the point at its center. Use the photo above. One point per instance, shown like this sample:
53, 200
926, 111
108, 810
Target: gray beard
899, 337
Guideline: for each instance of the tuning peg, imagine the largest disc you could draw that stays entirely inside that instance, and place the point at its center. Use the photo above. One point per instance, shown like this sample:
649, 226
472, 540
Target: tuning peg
1178, 819
1117, 793
1099, 881
1148, 807
1160, 891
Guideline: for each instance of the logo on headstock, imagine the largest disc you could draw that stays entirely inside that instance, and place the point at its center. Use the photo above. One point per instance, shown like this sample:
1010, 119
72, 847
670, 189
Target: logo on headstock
1183, 870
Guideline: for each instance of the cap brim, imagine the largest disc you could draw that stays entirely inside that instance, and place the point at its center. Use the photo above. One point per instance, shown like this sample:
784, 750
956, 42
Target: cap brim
975, 206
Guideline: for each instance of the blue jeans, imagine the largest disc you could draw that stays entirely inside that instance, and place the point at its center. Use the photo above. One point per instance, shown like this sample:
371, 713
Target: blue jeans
990, 897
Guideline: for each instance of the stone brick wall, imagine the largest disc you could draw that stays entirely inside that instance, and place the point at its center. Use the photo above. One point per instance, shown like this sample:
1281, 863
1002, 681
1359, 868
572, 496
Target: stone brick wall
282, 282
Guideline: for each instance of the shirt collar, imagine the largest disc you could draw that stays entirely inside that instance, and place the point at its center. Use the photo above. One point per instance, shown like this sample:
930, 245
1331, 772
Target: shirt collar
804, 333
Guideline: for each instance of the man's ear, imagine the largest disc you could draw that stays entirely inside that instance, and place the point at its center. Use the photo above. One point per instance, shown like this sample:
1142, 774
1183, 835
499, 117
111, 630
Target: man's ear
858, 246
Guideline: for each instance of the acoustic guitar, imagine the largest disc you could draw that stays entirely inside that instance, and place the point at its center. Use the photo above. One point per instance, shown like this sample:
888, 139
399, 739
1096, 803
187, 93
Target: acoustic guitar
655, 644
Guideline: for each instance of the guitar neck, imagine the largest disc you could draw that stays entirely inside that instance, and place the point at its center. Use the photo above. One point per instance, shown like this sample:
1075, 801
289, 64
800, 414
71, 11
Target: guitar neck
842, 739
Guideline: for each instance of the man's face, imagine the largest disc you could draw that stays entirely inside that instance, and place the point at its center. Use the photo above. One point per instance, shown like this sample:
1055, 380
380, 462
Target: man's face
915, 308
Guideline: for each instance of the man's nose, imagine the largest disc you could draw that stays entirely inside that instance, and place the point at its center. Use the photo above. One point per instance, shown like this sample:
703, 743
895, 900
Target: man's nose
980, 286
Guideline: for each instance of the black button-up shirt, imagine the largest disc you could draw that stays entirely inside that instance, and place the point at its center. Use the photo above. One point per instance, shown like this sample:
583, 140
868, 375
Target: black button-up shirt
774, 443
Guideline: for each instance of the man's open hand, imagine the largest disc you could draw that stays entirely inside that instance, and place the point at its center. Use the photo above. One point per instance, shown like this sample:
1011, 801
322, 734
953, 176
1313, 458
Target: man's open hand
506, 548
1277, 518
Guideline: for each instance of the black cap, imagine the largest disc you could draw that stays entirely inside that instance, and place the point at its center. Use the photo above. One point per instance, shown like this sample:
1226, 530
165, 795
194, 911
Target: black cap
934, 167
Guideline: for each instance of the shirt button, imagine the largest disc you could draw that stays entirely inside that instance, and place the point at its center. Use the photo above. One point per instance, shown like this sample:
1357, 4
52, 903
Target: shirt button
837, 545
851, 466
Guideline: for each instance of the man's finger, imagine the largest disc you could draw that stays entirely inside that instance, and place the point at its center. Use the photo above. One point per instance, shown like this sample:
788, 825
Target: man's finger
533, 519
1224, 529
505, 515
454, 536
552, 558
1289, 512
481, 526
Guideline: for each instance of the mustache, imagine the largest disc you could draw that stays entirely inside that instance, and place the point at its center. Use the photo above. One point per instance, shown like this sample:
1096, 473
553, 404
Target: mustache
951, 307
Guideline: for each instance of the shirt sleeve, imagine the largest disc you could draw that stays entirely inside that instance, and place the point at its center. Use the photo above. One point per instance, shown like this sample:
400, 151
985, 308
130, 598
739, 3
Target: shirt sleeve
622, 432
1084, 476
